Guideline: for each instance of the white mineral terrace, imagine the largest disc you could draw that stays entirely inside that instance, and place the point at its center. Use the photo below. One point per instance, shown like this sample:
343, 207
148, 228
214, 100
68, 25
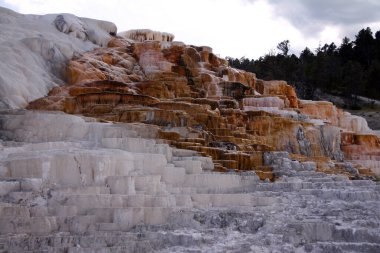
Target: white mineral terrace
41, 44
70, 184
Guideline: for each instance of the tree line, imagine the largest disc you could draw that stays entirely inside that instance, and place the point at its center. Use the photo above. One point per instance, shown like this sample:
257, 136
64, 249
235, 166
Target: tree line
348, 70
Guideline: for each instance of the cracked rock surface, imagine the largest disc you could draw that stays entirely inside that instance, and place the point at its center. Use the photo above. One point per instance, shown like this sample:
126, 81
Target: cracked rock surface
71, 184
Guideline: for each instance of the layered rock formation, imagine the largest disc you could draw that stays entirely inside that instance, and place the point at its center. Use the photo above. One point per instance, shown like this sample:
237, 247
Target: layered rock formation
166, 150
202, 104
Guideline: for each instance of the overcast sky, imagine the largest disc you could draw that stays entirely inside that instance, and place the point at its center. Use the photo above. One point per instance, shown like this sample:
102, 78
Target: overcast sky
236, 28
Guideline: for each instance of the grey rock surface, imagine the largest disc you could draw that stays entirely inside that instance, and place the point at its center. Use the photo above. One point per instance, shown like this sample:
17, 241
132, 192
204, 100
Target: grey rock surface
35, 50
70, 184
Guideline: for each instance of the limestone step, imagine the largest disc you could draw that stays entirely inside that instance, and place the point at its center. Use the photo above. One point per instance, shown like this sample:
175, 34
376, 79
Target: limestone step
63, 211
129, 144
295, 186
183, 200
84, 190
38, 210
315, 230
62, 242
173, 175
121, 185
191, 166
126, 218
345, 195
100, 242
182, 190
29, 149
361, 183
184, 152
108, 226
31, 184
83, 203
108, 219
158, 215
356, 235
311, 174
218, 181
8, 211
163, 149
206, 162
85, 167
349, 247
279, 186
20, 197
25, 167
148, 164
151, 201
317, 179
9, 186
232, 200
103, 215
29, 225
125, 249
118, 132
150, 184
78, 224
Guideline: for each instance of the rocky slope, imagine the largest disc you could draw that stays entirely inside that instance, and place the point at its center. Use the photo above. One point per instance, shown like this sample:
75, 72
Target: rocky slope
171, 150
35, 51
202, 104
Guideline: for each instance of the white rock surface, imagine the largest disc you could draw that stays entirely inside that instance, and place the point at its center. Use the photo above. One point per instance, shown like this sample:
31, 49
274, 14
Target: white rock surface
35, 49
354, 123
69, 184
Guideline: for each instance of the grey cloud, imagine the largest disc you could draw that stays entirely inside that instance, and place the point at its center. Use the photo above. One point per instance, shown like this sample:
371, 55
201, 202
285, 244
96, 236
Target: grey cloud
311, 16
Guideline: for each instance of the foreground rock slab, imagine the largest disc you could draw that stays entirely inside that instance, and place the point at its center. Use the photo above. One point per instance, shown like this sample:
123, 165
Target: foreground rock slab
71, 184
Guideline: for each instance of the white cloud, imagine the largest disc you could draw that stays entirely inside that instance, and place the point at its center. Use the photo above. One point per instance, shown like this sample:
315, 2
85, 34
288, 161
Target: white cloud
233, 28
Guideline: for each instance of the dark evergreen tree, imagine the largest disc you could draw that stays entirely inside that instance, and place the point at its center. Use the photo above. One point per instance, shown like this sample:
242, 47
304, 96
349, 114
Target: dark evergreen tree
346, 50
373, 80
364, 47
284, 47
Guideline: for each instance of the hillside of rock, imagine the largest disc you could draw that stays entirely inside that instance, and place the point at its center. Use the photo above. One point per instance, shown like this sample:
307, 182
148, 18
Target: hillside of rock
139, 143
35, 51
202, 104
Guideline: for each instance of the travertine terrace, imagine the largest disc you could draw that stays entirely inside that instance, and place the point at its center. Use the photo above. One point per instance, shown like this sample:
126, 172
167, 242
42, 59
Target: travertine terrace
202, 104
140, 143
